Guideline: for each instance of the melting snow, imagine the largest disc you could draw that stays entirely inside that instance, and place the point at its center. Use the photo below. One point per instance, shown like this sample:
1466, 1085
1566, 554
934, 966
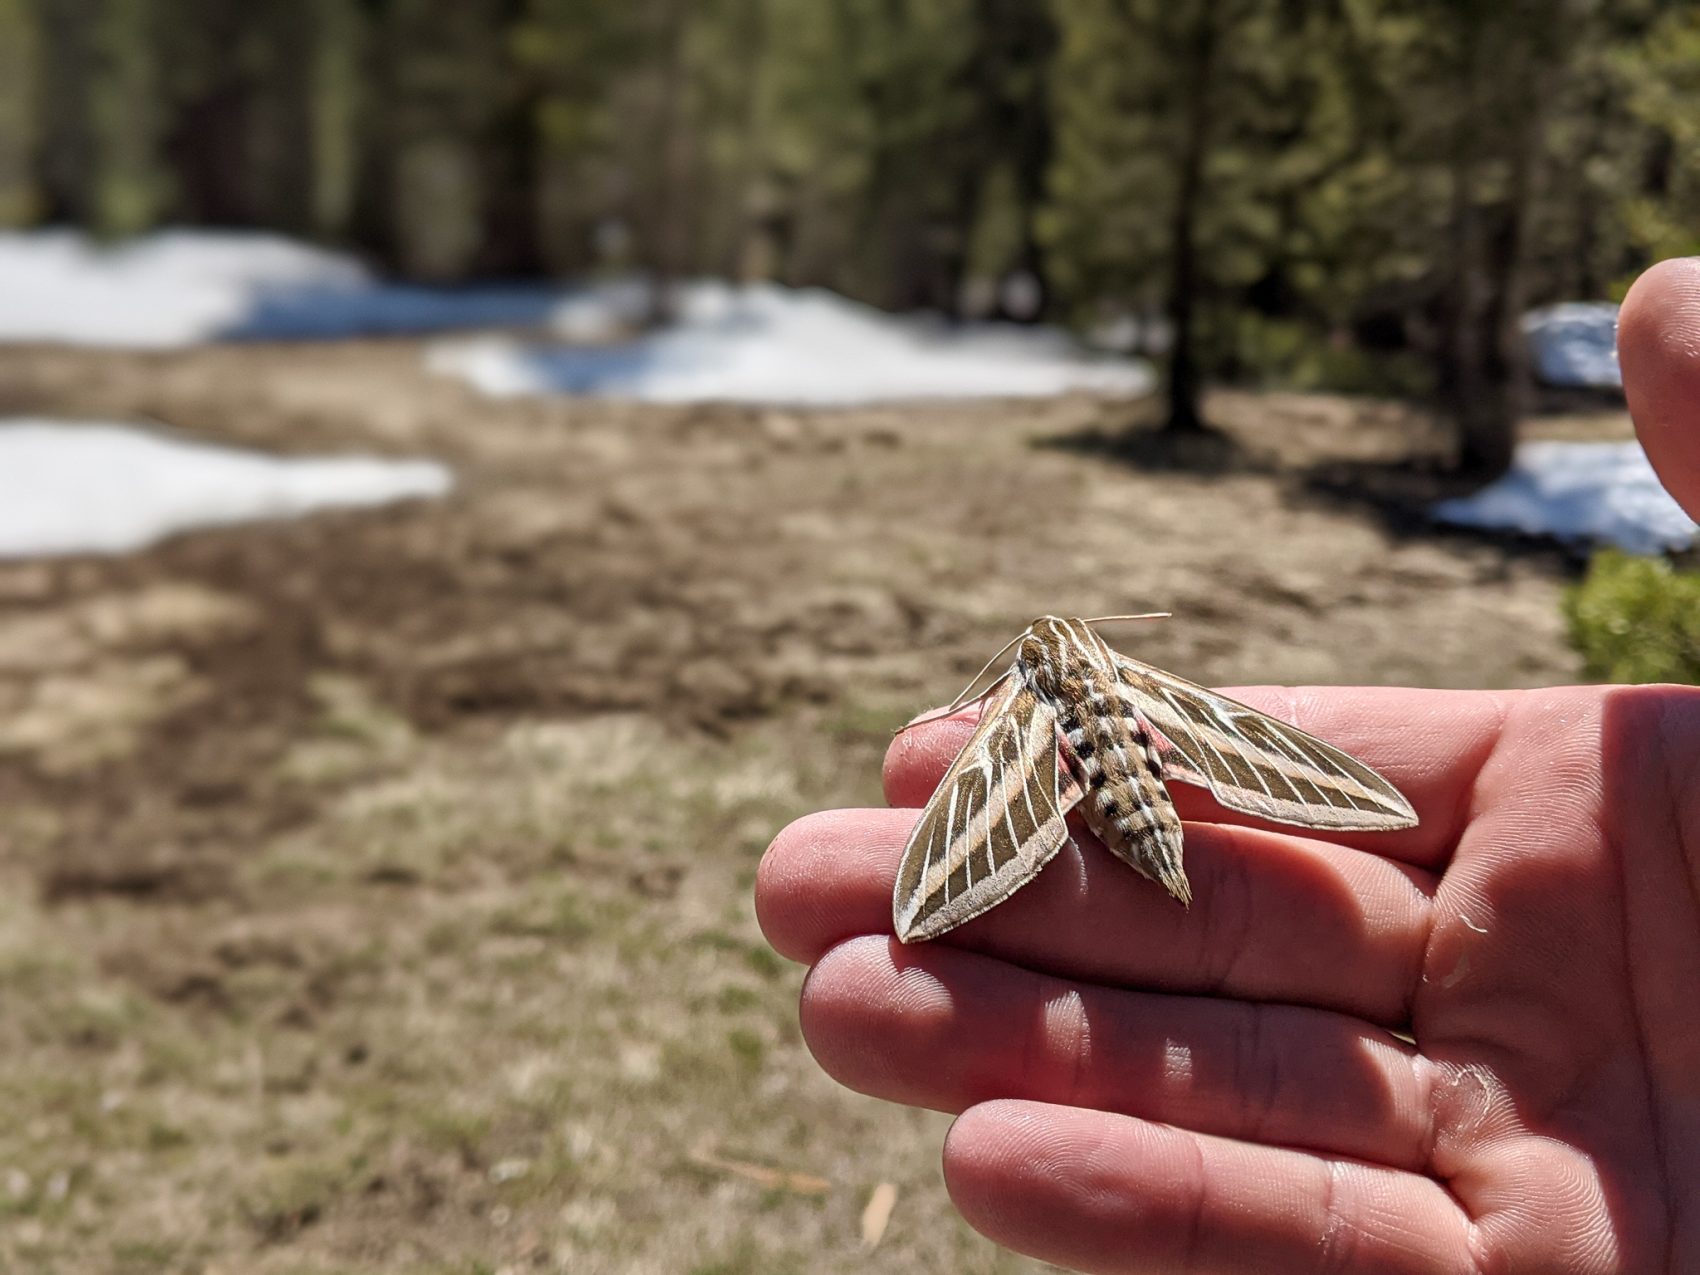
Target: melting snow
180, 288
89, 487
1574, 344
1604, 492
769, 344
760, 344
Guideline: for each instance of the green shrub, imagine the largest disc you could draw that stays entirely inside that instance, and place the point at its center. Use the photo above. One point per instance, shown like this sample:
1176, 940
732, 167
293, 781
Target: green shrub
1636, 620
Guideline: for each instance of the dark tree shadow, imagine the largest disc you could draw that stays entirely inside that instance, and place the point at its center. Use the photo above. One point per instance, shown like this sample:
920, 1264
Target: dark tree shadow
1397, 483
1150, 448
1400, 495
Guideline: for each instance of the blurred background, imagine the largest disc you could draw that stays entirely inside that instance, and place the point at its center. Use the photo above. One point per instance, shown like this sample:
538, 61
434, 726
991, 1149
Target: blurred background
470, 471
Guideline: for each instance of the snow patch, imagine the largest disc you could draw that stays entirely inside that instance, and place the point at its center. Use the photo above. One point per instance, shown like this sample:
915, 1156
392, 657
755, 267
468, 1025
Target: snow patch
763, 344
177, 288
1574, 344
769, 344
91, 487
1599, 492
180, 288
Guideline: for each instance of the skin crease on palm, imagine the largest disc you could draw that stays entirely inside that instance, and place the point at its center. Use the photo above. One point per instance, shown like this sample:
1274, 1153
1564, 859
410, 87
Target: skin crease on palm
1223, 1090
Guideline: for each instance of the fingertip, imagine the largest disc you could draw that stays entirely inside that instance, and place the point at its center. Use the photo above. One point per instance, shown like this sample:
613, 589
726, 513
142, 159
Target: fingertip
786, 906
845, 997
982, 1137
973, 1159
1658, 340
1025, 1174
827, 877
847, 978
919, 756
772, 893
1006, 1135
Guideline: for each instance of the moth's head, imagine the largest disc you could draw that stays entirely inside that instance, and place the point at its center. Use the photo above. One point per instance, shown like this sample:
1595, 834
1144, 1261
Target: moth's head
1044, 634
1065, 636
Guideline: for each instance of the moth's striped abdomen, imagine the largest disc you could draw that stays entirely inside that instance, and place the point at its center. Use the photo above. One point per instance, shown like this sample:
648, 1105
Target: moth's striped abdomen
1127, 806
1111, 749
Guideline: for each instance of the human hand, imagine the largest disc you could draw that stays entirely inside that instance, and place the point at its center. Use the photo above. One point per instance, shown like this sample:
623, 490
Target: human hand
1144, 1088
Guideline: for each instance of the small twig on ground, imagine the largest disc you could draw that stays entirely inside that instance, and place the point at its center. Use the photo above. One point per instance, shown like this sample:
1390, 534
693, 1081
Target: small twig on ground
773, 1179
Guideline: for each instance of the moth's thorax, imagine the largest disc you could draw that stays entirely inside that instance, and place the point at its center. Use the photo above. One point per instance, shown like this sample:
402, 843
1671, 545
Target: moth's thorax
1106, 745
1064, 661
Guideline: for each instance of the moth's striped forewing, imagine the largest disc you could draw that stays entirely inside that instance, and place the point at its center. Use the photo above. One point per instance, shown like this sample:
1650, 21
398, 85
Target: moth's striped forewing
1257, 764
996, 818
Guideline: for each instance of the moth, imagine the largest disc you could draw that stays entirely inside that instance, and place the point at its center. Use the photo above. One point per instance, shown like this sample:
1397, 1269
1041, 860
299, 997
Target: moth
1075, 725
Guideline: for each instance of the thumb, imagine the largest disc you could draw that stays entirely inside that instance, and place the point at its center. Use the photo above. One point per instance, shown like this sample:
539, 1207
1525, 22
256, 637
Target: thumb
1658, 345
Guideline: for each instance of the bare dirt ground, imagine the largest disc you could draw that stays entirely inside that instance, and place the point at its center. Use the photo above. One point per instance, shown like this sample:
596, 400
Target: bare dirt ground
374, 889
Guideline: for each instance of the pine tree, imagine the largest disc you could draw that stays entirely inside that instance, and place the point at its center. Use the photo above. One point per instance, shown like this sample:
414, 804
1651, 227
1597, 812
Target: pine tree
1172, 117
20, 59
130, 190
1510, 145
1659, 76
66, 133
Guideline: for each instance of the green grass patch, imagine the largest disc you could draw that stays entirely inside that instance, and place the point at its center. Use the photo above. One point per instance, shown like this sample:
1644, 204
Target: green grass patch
747, 1047
564, 917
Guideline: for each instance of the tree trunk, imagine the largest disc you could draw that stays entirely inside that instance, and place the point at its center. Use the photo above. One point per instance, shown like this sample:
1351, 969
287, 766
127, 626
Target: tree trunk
1463, 381
337, 87
126, 107
1027, 37
1184, 382
279, 171
19, 59
65, 150
1485, 376
371, 211
1488, 427
955, 241
742, 259
513, 232
664, 218
511, 169
206, 148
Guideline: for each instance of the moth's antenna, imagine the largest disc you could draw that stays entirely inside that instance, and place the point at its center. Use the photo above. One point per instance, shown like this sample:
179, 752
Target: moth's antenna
965, 699
1149, 615
962, 702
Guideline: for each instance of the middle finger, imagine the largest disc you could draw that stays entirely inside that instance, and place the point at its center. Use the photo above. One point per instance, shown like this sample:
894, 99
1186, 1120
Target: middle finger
1274, 917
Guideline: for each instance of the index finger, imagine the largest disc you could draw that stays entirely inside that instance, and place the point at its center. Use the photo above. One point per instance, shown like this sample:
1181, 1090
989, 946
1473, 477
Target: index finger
1430, 744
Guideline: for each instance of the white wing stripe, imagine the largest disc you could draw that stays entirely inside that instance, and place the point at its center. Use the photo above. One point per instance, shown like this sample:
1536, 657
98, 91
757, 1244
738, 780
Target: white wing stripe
1218, 743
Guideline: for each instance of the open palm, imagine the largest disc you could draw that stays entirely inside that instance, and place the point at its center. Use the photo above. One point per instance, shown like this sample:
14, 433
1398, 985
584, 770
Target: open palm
1222, 1089
1232, 1088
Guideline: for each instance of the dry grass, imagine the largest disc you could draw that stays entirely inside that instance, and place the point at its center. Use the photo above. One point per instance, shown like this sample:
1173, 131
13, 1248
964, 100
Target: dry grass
374, 891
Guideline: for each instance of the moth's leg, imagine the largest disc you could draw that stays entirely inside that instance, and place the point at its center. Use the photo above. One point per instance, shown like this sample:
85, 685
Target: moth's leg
1147, 737
1074, 770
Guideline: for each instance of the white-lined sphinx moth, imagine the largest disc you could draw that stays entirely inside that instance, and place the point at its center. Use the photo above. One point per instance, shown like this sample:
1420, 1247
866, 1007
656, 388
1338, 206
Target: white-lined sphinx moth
1073, 724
